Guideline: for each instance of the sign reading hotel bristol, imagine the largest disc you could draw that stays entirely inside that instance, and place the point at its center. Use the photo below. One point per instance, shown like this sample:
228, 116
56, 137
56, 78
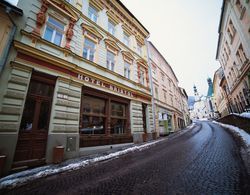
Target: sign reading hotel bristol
105, 85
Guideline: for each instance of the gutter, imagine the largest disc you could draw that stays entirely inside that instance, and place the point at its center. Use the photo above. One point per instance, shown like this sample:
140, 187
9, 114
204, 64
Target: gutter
151, 82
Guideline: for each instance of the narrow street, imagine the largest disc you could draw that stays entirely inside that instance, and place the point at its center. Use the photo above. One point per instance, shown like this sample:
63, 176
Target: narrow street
204, 160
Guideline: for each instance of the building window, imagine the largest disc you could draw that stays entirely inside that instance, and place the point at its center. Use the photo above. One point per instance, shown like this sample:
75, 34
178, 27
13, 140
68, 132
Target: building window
54, 31
142, 77
110, 61
89, 49
162, 77
98, 108
127, 70
171, 100
154, 71
92, 13
165, 97
139, 49
241, 56
126, 39
111, 27
231, 31
118, 118
156, 93
228, 48
240, 8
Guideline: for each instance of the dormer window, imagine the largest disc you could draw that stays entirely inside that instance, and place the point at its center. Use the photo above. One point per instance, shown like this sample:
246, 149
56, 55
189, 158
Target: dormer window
92, 13
54, 31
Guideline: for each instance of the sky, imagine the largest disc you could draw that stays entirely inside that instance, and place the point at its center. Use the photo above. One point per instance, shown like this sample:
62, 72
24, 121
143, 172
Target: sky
186, 34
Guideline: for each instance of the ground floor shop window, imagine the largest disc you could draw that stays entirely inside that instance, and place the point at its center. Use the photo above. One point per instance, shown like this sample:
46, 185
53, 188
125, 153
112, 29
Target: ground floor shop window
93, 117
103, 113
118, 118
104, 119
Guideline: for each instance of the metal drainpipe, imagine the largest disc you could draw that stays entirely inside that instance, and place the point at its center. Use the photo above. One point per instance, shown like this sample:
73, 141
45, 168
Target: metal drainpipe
151, 82
8, 46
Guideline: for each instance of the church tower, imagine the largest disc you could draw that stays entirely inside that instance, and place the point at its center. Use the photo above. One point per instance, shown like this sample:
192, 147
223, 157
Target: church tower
210, 88
196, 94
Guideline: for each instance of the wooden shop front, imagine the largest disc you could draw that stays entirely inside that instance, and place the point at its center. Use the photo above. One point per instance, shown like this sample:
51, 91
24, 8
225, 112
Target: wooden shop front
104, 119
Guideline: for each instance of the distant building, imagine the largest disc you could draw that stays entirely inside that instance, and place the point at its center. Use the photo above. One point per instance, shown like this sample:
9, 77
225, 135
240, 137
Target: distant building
220, 94
200, 107
233, 53
210, 99
168, 98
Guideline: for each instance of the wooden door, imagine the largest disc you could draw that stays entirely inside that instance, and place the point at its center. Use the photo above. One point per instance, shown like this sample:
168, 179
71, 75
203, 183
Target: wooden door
33, 133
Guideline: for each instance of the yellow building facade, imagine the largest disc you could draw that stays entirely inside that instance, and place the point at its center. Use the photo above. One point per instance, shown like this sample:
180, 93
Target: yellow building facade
77, 77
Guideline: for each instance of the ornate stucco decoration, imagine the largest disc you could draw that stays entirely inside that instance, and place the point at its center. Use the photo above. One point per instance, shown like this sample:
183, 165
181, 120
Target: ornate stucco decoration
91, 31
111, 45
127, 56
41, 17
62, 8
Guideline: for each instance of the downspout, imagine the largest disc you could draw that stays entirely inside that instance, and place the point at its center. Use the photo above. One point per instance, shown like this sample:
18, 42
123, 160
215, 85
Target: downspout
151, 82
8, 46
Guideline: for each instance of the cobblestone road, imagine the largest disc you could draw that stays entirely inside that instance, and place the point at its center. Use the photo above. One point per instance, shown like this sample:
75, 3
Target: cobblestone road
204, 160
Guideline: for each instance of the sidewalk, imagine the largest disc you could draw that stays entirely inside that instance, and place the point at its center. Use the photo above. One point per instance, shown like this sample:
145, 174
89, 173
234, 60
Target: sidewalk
243, 137
21, 178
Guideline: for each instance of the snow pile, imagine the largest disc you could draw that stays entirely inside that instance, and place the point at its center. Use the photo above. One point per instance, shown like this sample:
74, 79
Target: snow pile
245, 115
203, 119
244, 136
21, 178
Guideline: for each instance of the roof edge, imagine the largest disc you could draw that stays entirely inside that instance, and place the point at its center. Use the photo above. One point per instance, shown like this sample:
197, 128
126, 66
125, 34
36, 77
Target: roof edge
132, 15
219, 28
13, 7
164, 59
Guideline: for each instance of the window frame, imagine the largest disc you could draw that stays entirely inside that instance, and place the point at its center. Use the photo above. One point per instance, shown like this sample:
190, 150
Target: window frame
89, 49
112, 25
109, 64
92, 11
55, 29
126, 40
109, 98
127, 69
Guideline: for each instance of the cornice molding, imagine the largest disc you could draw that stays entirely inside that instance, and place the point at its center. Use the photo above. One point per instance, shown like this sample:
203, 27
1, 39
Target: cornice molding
112, 44
128, 56
112, 17
64, 8
96, 4
91, 30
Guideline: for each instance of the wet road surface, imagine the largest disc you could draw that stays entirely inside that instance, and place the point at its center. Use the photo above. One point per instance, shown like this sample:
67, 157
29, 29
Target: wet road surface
204, 160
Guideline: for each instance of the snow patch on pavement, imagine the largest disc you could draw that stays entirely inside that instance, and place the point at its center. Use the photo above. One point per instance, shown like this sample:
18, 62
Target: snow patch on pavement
245, 137
23, 177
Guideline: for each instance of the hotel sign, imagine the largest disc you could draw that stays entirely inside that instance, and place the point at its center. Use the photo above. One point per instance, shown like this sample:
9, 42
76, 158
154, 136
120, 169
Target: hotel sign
105, 85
